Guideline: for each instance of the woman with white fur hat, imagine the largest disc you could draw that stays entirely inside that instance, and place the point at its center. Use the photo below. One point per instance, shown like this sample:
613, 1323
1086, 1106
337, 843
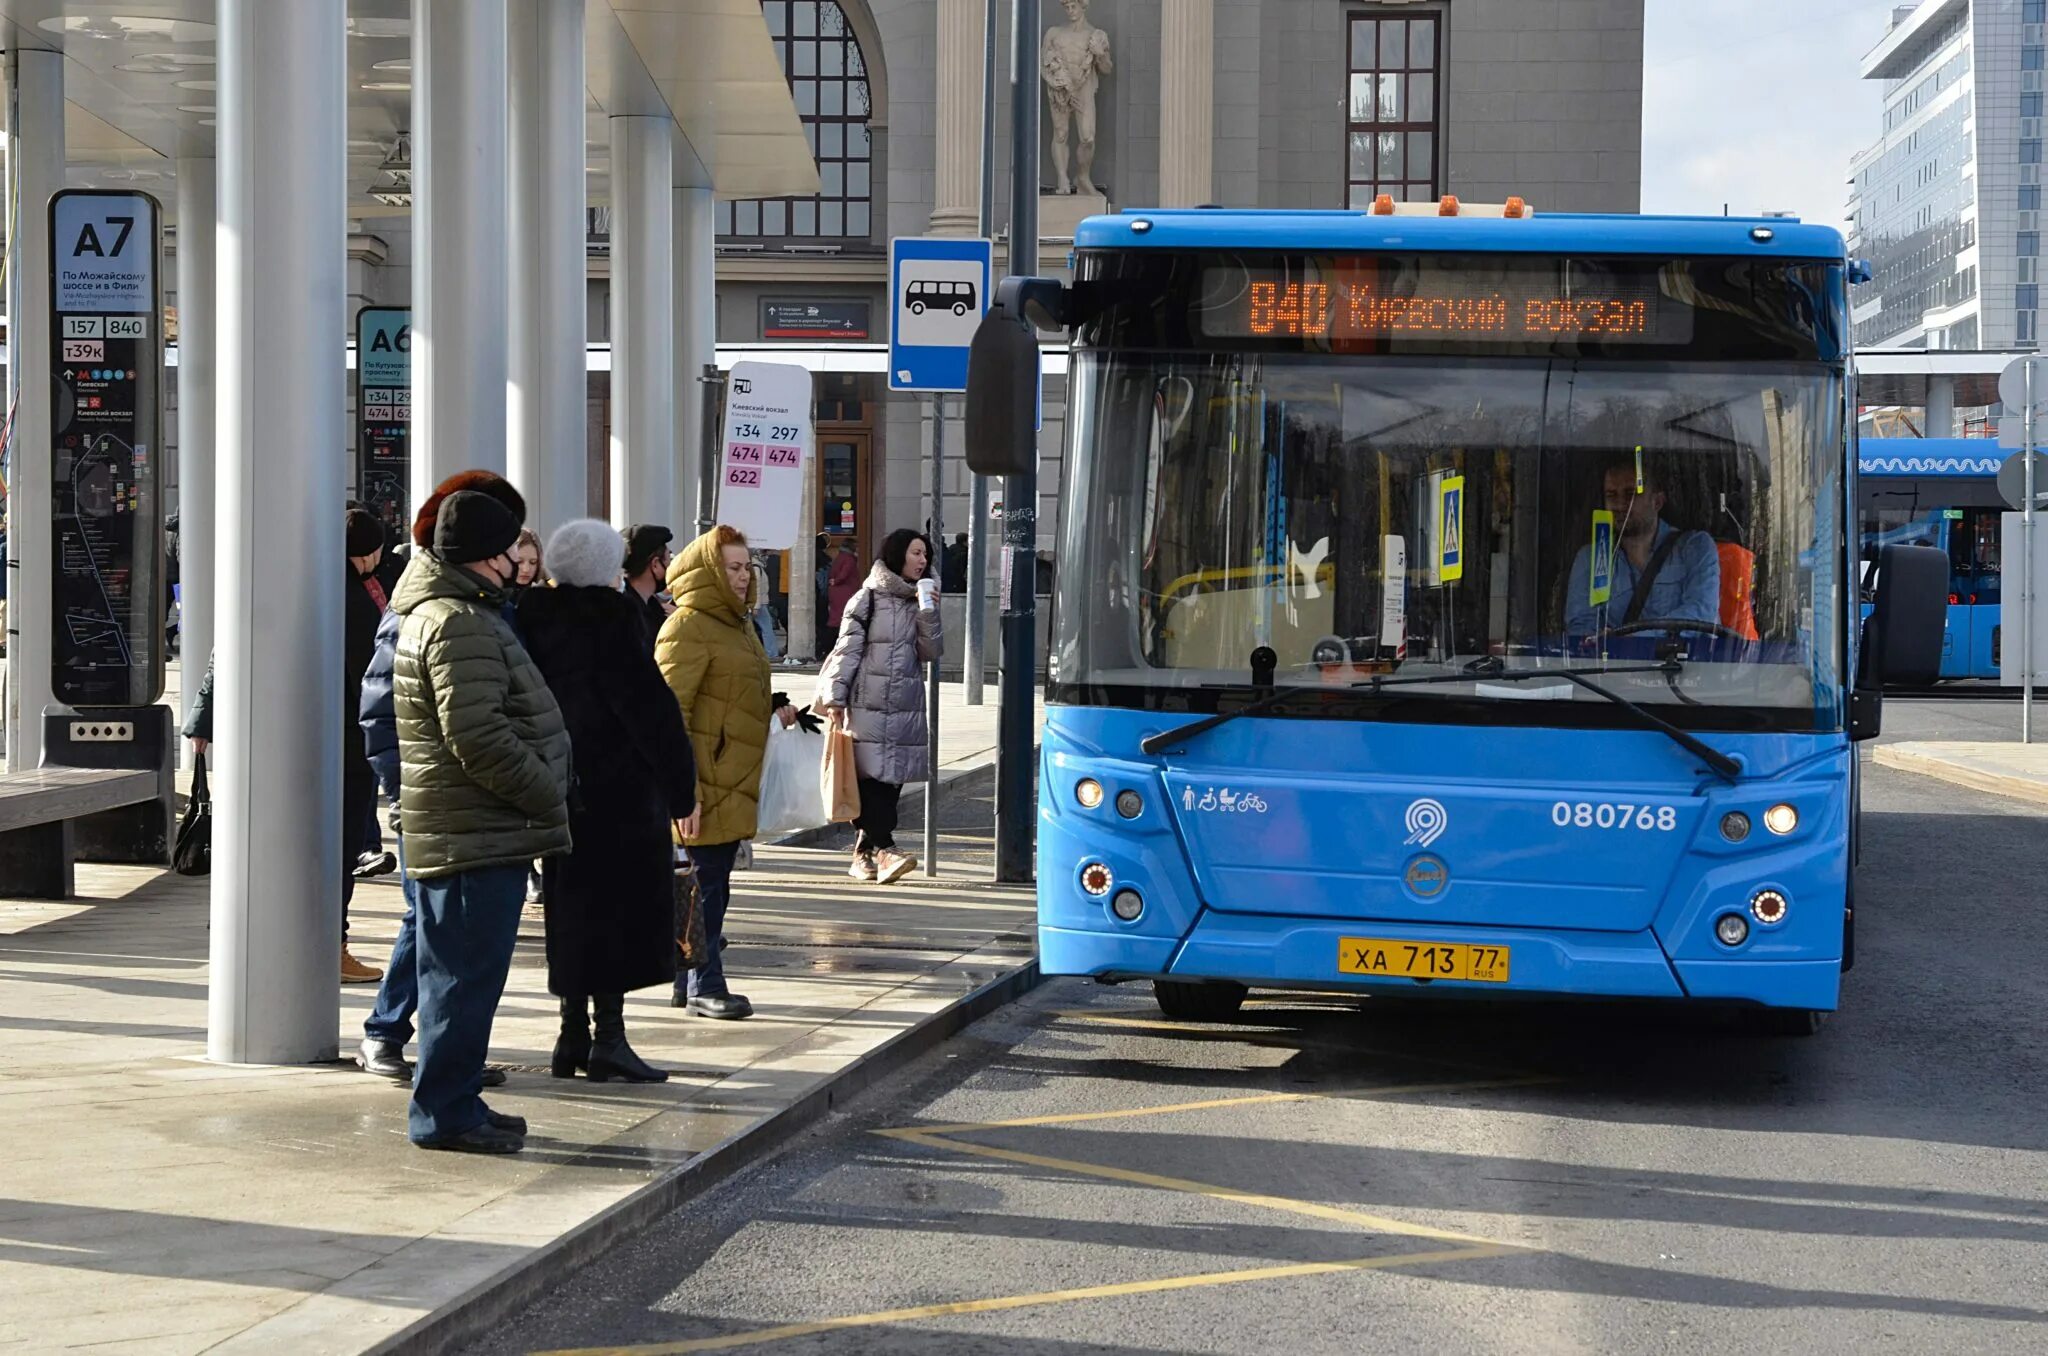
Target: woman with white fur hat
609, 900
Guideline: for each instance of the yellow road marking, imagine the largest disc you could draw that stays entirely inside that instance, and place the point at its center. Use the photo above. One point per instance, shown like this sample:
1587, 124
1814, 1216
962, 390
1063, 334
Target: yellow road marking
1375, 1223
1255, 1099
1006, 1302
1270, 1034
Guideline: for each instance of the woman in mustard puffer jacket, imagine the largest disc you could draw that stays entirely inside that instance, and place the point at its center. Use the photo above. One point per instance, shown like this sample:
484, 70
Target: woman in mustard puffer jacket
711, 656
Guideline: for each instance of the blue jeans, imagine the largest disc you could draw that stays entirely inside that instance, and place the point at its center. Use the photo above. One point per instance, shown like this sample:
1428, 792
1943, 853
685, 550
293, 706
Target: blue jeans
398, 997
714, 884
764, 622
466, 928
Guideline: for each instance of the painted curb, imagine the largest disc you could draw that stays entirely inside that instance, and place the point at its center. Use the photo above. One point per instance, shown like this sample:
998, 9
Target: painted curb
1961, 774
488, 1304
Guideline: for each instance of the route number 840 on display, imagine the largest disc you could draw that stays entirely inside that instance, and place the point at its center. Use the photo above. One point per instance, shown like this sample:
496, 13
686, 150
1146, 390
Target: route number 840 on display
1607, 814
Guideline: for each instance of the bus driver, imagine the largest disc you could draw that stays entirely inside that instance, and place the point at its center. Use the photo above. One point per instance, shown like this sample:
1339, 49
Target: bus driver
1659, 572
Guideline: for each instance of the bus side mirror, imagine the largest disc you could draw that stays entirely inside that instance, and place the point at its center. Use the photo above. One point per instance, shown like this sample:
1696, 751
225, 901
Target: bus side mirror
1002, 376
1902, 638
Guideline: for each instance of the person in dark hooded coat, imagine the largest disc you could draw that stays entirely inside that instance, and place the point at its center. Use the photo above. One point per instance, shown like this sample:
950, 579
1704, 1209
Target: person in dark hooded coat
609, 901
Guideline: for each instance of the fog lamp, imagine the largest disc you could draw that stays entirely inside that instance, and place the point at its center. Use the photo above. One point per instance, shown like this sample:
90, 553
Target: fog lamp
1735, 826
1127, 905
1732, 929
1089, 793
1767, 906
1096, 880
1781, 819
1130, 804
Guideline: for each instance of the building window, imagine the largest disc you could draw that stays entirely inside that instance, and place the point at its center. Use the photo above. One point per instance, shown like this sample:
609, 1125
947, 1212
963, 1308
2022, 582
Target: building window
2026, 331
2029, 244
2030, 152
828, 78
1392, 142
2030, 58
2026, 298
2030, 198
2034, 12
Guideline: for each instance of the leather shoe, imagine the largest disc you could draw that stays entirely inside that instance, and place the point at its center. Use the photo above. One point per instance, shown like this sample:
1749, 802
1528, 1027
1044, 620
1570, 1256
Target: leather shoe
373, 864
482, 1139
728, 1007
494, 1078
386, 1059
501, 1120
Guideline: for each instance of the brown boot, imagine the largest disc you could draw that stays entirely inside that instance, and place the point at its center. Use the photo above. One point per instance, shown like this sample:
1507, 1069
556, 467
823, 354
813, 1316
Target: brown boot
354, 971
892, 866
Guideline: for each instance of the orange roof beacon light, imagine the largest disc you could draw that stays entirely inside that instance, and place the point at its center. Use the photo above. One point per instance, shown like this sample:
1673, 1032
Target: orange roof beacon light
1515, 208
1383, 205
1448, 207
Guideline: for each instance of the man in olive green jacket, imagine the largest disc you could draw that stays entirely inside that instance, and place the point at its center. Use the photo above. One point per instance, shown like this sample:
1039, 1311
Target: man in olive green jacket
483, 791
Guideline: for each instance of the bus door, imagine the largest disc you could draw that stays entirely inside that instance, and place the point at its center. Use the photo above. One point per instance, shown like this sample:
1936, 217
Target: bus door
1974, 545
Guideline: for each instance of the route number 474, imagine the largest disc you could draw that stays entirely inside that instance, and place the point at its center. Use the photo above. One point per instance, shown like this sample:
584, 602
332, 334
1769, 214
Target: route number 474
1613, 815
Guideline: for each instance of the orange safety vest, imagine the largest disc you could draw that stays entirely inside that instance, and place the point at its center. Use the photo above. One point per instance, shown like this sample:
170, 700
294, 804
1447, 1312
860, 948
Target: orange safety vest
1738, 586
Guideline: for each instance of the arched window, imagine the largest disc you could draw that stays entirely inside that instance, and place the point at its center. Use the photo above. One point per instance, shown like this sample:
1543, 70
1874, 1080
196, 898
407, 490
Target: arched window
829, 81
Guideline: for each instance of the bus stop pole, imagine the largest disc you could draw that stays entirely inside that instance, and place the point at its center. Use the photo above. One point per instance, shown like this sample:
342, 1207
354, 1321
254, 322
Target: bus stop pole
975, 602
931, 695
710, 387
1016, 796
2027, 599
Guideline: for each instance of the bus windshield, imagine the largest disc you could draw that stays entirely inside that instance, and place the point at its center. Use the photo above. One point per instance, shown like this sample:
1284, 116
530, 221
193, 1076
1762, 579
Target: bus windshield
1450, 513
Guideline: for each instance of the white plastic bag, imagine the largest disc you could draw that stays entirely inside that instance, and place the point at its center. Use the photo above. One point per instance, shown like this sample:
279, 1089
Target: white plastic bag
791, 798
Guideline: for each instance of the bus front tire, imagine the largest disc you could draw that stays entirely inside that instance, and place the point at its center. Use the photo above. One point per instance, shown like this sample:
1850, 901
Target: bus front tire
1198, 1001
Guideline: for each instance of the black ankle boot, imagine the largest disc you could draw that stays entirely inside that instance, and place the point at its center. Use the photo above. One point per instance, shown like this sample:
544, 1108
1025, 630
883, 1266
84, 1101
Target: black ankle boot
572, 1047
610, 1056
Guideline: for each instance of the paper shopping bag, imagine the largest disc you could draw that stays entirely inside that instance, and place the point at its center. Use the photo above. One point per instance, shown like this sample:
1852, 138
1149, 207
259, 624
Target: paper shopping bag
837, 777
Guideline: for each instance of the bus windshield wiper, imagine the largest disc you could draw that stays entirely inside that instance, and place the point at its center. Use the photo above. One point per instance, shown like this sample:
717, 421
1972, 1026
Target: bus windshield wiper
1488, 669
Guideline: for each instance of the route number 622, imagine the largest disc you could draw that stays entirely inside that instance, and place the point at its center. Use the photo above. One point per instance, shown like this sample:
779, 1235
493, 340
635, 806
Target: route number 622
1613, 815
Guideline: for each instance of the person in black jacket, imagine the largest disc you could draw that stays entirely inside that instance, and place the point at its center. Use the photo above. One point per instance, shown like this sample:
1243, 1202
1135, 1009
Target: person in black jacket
362, 609
390, 1024
609, 901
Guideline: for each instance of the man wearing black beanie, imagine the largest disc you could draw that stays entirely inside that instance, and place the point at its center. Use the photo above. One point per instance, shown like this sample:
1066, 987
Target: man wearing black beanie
647, 558
485, 790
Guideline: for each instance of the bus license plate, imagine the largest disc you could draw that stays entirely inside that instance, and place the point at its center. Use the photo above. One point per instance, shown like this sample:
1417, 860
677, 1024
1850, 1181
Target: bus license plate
1422, 960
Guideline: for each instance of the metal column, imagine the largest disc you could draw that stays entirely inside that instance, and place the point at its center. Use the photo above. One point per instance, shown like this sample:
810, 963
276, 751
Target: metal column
1016, 761
35, 152
546, 399
276, 933
696, 345
643, 446
197, 207
460, 317
2028, 602
938, 536
975, 604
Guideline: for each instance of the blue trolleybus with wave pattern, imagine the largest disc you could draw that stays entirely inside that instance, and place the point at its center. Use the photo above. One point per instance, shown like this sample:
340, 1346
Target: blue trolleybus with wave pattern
1455, 604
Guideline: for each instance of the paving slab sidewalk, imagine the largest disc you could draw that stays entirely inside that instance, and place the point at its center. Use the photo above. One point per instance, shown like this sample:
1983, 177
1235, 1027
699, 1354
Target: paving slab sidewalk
2007, 769
153, 1202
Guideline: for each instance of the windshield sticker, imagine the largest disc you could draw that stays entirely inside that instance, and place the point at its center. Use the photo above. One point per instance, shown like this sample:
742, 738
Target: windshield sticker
1426, 821
1450, 541
1613, 815
1306, 564
1600, 572
1224, 800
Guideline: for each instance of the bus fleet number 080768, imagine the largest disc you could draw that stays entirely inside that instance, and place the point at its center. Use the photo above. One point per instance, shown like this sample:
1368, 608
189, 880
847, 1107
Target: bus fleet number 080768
1613, 815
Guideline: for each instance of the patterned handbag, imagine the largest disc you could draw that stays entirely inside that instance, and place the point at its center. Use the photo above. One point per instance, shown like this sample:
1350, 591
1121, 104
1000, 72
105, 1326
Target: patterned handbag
692, 950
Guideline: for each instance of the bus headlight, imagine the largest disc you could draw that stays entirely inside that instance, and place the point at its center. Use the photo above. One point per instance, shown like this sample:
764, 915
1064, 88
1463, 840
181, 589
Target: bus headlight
1089, 793
1732, 929
1130, 804
1735, 826
1127, 905
1781, 819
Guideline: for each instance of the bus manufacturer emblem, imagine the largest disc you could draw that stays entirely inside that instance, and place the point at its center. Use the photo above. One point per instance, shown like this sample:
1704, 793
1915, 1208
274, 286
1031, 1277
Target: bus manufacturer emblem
1427, 876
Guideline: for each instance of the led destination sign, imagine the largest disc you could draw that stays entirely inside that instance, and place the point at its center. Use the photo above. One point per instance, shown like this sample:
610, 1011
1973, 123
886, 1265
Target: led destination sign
1350, 302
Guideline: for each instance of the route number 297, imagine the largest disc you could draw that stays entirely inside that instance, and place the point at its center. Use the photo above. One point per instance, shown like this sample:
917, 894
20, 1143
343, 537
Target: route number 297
1613, 815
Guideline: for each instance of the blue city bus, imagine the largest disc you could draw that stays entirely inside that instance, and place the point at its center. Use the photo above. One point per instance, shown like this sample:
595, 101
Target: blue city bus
1348, 688
1942, 492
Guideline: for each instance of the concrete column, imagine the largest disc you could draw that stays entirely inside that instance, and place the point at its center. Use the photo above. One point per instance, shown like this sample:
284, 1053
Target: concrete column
956, 165
276, 933
197, 206
696, 344
546, 396
1941, 408
460, 316
35, 152
1187, 102
643, 447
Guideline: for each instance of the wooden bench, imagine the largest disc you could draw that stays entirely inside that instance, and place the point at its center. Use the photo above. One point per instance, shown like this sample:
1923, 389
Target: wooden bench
38, 808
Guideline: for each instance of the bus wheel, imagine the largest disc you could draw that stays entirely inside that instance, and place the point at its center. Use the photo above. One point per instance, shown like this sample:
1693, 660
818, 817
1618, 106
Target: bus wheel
1783, 1021
1198, 1001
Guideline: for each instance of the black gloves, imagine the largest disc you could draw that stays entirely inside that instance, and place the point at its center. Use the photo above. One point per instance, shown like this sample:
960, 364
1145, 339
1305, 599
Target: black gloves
809, 723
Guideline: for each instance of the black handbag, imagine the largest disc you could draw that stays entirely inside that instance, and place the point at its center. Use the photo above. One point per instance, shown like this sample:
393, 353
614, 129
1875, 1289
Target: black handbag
193, 853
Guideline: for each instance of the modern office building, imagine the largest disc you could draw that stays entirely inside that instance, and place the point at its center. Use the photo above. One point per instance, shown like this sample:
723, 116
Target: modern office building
1946, 204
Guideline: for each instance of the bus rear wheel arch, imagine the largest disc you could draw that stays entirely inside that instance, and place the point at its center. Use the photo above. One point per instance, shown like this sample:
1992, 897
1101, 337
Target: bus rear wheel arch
1186, 1000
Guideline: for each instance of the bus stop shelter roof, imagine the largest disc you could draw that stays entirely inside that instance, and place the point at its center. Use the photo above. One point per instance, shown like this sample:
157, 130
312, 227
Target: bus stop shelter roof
139, 91
1902, 376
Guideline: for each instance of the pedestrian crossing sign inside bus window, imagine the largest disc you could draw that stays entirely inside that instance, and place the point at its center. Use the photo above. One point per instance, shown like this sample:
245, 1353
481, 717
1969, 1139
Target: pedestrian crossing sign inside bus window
1450, 537
1600, 568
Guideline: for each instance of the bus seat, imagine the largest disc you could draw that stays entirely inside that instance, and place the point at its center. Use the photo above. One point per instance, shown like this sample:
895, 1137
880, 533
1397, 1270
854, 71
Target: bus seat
1738, 588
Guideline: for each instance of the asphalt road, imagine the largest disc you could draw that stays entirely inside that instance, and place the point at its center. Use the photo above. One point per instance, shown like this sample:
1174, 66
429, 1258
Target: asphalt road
1326, 1177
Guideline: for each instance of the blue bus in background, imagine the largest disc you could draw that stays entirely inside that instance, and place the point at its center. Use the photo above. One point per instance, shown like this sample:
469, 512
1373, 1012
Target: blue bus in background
1453, 603
1942, 492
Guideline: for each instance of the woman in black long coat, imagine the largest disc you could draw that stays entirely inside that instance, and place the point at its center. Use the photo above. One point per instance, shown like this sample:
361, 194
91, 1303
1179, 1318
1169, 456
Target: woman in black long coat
609, 901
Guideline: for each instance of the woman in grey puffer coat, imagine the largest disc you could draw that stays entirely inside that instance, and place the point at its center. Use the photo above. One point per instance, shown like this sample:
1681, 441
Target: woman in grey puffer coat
874, 681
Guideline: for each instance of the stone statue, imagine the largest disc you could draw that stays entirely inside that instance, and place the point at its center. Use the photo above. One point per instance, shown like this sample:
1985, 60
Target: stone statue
1072, 61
